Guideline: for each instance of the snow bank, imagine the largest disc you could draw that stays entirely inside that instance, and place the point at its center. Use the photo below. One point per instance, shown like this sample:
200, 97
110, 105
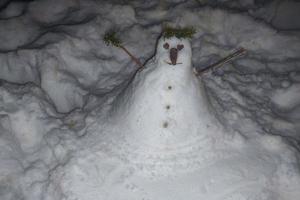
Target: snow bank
59, 82
25, 156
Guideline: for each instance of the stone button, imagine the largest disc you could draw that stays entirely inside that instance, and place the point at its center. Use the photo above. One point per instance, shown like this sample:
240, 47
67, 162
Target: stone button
165, 125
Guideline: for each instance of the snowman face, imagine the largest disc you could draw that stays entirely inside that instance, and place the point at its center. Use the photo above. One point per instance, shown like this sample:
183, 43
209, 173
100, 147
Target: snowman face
174, 51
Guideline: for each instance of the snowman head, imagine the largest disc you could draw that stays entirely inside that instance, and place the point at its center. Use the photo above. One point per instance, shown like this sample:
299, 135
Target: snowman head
174, 51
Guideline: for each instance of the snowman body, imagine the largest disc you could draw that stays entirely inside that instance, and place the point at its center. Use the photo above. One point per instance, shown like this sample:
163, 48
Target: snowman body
165, 105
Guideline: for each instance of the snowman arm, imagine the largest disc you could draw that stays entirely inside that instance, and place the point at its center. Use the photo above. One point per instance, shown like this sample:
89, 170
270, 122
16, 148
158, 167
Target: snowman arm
221, 62
132, 56
110, 38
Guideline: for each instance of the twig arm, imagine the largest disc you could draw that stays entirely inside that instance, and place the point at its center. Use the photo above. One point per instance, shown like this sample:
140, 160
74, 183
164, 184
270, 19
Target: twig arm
221, 62
131, 56
110, 38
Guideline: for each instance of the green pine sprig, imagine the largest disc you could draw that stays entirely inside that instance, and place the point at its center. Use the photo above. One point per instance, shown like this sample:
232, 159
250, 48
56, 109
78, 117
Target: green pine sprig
186, 32
110, 38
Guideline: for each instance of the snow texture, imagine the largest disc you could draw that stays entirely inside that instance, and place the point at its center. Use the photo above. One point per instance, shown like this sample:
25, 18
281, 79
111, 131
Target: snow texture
78, 121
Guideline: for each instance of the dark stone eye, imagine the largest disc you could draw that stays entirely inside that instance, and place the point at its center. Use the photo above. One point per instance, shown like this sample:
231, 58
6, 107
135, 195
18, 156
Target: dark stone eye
180, 46
166, 46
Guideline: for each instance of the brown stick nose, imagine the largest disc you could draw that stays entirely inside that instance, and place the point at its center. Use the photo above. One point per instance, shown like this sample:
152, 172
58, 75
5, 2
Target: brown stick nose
173, 55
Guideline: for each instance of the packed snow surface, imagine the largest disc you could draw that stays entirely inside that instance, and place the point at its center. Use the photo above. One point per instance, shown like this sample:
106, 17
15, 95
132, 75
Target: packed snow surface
78, 121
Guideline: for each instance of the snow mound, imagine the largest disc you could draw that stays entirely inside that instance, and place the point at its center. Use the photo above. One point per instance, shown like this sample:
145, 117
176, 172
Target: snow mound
287, 98
25, 121
246, 171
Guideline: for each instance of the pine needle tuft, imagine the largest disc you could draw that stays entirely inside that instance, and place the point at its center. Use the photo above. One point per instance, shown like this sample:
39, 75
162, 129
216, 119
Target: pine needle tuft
187, 32
110, 38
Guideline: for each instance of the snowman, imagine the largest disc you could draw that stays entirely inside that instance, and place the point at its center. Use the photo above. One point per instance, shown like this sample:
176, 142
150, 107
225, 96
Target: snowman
165, 105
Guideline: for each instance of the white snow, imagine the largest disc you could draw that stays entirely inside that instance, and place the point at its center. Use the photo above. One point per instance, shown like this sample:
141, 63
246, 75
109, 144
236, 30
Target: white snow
152, 109
287, 98
76, 122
